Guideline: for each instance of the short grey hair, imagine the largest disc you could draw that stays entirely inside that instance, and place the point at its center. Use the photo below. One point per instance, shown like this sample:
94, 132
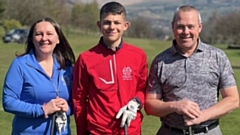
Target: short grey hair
186, 8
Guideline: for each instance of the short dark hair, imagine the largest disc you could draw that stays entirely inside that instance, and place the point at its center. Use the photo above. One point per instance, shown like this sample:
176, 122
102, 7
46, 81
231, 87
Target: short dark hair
63, 50
113, 8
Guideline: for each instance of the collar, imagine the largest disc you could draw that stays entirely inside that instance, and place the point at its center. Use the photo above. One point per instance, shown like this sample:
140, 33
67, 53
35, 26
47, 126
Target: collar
118, 47
200, 47
32, 61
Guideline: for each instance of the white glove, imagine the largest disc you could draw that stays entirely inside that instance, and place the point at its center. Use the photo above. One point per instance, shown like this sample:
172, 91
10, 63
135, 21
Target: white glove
128, 113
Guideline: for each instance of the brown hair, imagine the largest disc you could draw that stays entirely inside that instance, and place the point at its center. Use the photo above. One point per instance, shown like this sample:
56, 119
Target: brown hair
113, 8
63, 51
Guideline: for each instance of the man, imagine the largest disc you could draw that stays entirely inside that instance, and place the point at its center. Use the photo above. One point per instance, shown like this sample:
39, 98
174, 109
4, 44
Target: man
110, 80
186, 79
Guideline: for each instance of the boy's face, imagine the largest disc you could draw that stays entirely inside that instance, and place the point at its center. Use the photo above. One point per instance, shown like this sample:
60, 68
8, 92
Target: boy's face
112, 27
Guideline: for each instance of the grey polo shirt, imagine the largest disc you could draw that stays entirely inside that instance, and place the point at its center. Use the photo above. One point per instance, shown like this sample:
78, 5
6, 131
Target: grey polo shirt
197, 78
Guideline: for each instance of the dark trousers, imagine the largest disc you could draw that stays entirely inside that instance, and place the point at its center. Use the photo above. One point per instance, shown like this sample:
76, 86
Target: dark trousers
166, 131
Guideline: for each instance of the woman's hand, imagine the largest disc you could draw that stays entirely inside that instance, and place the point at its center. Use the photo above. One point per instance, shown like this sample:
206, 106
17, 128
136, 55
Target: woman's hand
54, 105
62, 104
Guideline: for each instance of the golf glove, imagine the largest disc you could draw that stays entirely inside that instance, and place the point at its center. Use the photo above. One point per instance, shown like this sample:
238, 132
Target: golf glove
128, 112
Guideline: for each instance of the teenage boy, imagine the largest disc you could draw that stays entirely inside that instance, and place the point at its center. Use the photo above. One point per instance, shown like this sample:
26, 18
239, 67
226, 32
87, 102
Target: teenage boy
110, 80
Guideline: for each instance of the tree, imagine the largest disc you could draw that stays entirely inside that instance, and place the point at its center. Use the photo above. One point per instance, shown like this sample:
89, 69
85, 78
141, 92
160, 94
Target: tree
58, 10
76, 11
28, 11
25, 11
208, 34
141, 28
91, 10
2, 8
10, 24
228, 27
85, 16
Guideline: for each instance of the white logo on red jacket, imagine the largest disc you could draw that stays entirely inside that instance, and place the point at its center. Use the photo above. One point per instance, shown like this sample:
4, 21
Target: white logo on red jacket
127, 73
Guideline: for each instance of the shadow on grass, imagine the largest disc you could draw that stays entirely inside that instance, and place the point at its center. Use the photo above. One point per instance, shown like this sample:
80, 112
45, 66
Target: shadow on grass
236, 67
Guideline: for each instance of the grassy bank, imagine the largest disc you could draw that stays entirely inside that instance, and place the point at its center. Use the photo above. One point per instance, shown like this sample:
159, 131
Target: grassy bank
230, 124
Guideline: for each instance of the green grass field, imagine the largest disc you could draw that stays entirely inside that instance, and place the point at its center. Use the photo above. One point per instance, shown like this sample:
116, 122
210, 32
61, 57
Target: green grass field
230, 124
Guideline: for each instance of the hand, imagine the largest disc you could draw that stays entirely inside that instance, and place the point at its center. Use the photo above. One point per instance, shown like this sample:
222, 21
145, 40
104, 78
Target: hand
188, 108
51, 107
62, 103
58, 104
128, 113
194, 121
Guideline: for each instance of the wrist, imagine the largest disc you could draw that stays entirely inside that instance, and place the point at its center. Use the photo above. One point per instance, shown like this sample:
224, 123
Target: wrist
133, 106
136, 99
173, 105
45, 110
204, 116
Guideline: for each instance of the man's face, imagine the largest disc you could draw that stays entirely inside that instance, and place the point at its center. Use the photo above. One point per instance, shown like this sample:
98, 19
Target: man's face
186, 29
112, 26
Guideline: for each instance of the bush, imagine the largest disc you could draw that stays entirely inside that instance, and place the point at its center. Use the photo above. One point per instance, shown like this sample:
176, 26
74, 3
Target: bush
11, 24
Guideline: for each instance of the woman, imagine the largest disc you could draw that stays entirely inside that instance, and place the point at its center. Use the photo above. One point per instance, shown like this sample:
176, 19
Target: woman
37, 87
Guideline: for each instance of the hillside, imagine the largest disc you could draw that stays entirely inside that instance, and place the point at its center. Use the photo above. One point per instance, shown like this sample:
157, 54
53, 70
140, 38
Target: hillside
165, 8
160, 12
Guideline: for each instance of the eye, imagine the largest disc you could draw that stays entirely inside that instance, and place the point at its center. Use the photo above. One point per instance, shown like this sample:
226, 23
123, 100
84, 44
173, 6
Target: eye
50, 34
191, 27
38, 34
180, 27
117, 22
106, 23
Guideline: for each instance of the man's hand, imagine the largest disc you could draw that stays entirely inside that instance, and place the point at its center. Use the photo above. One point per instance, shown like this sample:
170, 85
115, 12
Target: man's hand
188, 108
128, 113
195, 121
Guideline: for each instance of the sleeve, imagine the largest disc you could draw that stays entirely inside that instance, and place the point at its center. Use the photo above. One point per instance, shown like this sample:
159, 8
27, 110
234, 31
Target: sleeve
226, 72
79, 95
142, 81
12, 90
153, 85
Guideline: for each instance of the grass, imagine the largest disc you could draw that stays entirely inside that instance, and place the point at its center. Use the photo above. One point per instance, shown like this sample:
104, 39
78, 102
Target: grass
230, 124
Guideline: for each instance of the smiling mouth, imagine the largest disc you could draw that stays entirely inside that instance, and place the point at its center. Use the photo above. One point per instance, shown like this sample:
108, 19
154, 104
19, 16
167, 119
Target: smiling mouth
42, 44
111, 32
185, 38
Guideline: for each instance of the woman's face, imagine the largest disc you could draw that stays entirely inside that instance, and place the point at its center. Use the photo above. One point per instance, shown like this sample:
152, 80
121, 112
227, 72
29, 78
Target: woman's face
45, 39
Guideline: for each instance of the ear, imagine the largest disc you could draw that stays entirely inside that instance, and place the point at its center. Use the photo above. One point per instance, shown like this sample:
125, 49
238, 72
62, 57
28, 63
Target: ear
99, 24
127, 25
200, 27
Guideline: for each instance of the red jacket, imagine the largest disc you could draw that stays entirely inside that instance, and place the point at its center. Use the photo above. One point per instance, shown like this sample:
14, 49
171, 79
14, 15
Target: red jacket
104, 81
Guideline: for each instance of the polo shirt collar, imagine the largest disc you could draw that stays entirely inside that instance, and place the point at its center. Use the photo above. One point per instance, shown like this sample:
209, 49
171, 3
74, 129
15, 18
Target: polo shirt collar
200, 47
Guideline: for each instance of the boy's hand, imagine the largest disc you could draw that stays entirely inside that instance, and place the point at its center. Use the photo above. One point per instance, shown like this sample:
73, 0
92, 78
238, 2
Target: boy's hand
128, 113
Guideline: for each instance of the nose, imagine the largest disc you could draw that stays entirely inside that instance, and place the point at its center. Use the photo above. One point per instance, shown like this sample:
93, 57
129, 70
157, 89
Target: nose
186, 30
44, 37
112, 25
